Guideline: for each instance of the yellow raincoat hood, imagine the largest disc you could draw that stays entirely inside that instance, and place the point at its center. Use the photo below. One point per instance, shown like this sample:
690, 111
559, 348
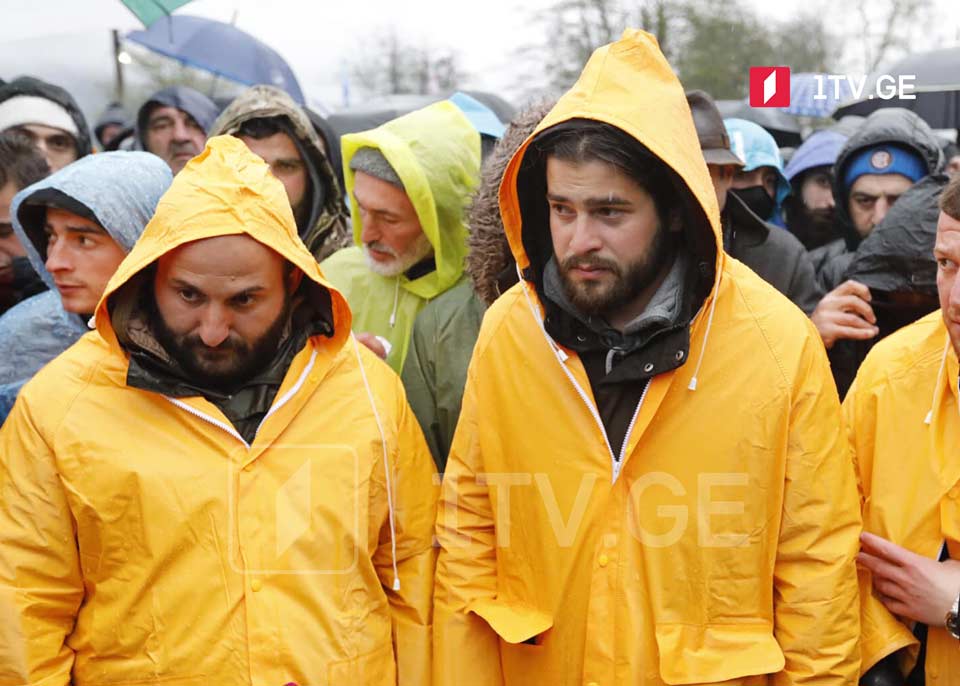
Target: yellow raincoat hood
629, 85
436, 153
225, 190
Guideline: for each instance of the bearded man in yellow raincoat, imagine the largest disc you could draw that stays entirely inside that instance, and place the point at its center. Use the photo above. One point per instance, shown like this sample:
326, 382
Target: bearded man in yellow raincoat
219, 485
649, 482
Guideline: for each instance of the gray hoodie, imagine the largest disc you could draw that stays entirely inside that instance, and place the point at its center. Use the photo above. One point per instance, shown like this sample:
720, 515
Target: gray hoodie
121, 189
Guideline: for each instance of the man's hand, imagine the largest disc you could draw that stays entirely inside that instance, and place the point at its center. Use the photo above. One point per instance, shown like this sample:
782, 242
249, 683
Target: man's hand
374, 343
845, 312
910, 585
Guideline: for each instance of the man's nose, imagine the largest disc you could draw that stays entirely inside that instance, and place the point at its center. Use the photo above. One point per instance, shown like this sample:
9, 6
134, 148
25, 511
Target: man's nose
370, 231
585, 238
880, 209
214, 326
181, 131
58, 258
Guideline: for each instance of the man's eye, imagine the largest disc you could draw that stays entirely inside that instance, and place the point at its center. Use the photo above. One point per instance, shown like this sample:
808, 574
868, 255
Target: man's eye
58, 143
189, 295
243, 300
609, 212
6, 230
561, 209
945, 263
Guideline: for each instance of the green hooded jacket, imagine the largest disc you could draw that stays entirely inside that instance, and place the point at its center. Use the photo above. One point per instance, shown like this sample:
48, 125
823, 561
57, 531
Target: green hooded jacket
436, 153
435, 371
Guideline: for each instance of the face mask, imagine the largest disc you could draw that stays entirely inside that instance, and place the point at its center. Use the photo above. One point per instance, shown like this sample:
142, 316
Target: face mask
757, 199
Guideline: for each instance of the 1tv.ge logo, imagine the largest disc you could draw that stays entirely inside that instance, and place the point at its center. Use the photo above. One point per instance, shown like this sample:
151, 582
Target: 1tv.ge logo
769, 86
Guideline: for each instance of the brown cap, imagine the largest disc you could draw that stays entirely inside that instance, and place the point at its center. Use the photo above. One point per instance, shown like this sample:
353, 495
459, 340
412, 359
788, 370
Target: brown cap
714, 141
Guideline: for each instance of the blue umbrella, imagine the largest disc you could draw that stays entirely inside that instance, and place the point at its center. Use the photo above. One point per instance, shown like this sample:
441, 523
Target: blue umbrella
813, 95
220, 49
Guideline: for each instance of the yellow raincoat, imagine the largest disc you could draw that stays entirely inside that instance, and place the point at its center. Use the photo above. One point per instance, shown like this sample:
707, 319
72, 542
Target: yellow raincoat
142, 541
436, 153
721, 548
902, 418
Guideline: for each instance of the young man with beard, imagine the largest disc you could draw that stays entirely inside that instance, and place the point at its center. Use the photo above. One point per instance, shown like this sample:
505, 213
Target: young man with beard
648, 483
409, 182
810, 207
218, 485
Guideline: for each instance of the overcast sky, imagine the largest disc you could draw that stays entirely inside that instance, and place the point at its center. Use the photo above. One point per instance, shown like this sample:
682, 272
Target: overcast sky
68, 40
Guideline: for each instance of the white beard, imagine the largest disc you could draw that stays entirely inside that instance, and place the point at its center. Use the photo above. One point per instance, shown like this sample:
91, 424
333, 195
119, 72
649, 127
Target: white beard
418, 250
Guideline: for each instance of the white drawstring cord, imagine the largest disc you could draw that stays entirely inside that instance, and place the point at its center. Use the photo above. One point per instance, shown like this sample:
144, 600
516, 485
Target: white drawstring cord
396, 301
386, 465
936, 387
713, 303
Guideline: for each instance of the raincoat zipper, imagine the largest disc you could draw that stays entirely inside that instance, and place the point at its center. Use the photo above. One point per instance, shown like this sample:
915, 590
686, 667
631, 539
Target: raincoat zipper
229, 429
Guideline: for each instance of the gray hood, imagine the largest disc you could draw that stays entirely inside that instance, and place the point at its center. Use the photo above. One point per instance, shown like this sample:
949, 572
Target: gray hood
120, 189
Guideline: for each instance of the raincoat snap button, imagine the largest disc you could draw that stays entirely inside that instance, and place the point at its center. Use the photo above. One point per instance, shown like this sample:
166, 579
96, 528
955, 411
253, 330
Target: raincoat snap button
679, 355
581, 338
603, 560
256, 585
648, 367
248, 468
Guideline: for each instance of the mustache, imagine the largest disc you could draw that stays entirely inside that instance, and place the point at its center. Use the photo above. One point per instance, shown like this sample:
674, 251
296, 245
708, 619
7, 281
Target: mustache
590, 262
177, 147
379, 246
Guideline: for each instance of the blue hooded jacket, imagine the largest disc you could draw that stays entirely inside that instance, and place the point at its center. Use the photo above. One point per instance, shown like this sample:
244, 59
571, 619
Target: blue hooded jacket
203, 110
122, 190
757, 148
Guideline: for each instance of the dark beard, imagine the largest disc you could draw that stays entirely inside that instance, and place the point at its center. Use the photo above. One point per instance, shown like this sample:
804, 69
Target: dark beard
813, 227
630, 281
244, 359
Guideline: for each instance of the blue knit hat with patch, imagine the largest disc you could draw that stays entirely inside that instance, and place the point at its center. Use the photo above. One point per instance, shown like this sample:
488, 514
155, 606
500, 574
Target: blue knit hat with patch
882, 159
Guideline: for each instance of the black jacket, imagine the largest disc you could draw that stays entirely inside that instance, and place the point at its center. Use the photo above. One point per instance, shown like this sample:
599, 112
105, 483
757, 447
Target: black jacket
887, 125
896, 263
775, 254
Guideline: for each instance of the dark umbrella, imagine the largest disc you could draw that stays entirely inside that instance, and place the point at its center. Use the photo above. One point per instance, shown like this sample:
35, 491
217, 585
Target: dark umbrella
937, 89
220, 49
784, 127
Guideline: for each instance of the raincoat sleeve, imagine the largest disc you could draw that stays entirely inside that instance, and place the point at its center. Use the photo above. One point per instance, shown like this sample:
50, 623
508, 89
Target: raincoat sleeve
466, 649
414, 503
40, 582
816, 606
419, 380
881, 634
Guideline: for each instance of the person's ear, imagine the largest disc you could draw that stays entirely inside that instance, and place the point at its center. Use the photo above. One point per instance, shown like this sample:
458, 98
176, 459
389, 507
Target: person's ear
294, 278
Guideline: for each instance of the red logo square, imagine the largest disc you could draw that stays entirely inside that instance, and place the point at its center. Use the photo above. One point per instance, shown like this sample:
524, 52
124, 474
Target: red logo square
769, 86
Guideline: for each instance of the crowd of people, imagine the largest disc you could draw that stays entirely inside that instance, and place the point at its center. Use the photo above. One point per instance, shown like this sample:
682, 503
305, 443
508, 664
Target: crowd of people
605, 394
